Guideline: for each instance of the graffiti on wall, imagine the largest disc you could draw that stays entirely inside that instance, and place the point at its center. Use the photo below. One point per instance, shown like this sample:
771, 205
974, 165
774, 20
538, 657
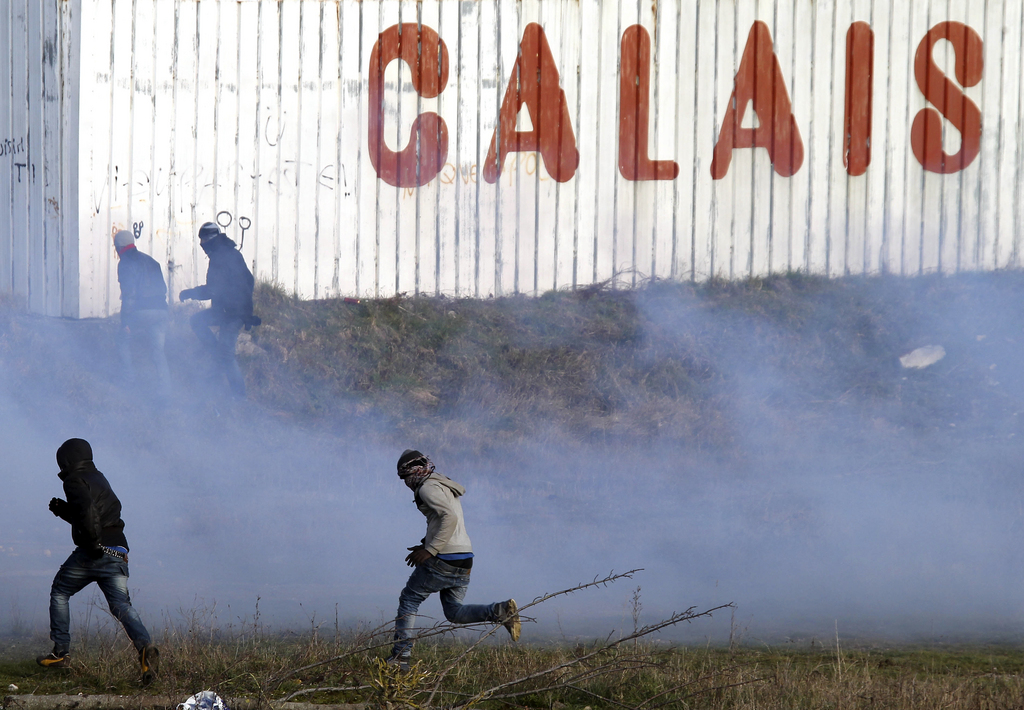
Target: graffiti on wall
12, 146
198, 183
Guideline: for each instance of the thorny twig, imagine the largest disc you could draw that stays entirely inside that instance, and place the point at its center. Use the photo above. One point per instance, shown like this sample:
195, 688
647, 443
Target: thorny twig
611, 577
369, 644
310, 691
708, 690
687, 684
601, 697
608, 579
563, 683
676, 618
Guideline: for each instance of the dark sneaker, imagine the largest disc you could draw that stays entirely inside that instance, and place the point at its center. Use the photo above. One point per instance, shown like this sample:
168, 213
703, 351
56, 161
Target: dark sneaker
149, 659
399, 662
55, 659
508, 616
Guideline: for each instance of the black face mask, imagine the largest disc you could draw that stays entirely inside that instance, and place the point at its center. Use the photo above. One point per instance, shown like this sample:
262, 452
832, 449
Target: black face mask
207, 245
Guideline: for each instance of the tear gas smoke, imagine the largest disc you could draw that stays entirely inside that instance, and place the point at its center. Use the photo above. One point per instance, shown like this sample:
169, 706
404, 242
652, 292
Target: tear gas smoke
815, 524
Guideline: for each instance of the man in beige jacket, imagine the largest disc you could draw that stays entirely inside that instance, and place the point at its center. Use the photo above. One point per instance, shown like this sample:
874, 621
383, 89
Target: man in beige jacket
442, 560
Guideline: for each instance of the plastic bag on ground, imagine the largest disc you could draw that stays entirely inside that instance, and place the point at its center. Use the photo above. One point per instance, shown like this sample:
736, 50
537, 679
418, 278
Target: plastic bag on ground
204, 700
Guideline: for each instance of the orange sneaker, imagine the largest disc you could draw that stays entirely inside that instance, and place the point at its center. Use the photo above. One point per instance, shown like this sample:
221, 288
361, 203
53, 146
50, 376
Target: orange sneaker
149, 659
54, 659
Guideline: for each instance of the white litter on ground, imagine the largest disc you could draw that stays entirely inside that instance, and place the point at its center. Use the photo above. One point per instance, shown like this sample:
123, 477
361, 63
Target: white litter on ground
923, 357
203, 700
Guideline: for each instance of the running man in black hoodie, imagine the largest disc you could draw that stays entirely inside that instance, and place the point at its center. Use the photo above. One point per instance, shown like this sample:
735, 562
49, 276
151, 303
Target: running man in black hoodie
101, 556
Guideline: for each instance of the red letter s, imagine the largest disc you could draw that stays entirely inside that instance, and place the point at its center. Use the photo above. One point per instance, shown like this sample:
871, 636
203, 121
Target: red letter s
926, 133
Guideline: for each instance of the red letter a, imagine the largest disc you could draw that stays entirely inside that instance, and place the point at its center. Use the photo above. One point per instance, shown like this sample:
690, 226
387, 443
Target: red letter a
759, 81
535, 82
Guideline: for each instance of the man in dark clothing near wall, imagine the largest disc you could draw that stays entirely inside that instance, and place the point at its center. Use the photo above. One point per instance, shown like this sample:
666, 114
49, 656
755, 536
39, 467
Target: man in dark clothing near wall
229, 286
143, 308
101, 556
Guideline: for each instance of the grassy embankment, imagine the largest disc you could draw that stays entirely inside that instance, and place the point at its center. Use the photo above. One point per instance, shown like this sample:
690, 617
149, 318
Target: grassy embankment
686, 364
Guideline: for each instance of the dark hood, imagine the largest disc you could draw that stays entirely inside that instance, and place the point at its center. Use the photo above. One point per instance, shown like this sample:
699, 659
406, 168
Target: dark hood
216, 244
72, 453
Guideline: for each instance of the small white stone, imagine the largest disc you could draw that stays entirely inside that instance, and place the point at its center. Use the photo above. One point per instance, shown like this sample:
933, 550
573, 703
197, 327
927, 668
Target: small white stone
923, 357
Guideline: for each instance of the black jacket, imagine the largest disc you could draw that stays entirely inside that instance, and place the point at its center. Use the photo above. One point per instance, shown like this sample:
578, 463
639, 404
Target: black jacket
229, 282
142, 282
92, 508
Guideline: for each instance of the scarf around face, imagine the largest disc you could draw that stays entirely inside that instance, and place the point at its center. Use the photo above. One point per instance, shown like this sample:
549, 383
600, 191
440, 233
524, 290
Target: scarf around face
416, 472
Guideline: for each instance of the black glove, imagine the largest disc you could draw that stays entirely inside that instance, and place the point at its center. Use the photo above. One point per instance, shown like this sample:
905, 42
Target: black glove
57, 506
186, 294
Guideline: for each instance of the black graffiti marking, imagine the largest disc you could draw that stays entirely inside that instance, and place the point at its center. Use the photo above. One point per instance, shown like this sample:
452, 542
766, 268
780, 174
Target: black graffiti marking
30, 171
243, 223
12, 146
277, 139
181, 182
326, 180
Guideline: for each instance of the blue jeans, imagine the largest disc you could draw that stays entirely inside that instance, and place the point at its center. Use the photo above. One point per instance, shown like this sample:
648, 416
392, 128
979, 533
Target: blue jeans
111, 574
434, 575
149, 325
221, 346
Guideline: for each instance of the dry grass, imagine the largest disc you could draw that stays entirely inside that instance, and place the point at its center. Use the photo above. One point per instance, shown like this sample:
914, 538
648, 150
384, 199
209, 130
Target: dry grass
649, 676
682, 363
631, 670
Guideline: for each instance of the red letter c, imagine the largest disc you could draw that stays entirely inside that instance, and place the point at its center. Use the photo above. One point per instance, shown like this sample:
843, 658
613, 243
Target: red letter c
426, 54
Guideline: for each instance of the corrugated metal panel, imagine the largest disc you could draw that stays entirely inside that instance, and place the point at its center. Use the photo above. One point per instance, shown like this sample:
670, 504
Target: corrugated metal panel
263, 109
36, 209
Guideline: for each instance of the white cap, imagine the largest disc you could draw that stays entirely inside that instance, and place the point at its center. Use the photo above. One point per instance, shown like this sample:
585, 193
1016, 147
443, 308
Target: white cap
123, 239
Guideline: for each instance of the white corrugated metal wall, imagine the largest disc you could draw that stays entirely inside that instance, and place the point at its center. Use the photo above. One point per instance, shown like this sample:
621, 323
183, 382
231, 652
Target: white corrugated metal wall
262, 109
37, 205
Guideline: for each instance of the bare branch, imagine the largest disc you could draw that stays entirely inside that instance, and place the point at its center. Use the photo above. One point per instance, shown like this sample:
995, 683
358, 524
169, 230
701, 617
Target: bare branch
708, 690
601, 697
582, 672
689, 683
310, 691
386, 630
611, 577
676, 618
